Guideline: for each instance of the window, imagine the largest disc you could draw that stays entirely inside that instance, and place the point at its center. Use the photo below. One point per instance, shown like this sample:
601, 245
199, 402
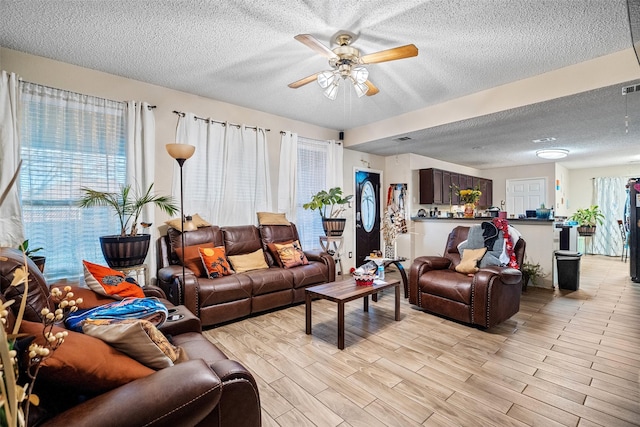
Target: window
68, 141
311, 178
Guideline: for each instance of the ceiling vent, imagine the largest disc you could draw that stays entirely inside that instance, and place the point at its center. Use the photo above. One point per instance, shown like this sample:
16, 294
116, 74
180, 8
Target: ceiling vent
630, 89
402, 138
547, 139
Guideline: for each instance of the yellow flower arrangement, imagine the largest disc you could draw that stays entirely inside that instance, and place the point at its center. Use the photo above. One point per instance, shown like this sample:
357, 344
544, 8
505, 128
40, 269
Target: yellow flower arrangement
468, 195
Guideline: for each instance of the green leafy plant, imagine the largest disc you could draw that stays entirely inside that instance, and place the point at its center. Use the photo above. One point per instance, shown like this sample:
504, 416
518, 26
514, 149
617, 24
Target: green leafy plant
331, 199
531, 271
589, 217
24, 247
127, 205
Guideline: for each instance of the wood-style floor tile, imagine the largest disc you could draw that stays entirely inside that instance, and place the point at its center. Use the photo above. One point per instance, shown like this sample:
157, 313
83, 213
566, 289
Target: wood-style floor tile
566, 359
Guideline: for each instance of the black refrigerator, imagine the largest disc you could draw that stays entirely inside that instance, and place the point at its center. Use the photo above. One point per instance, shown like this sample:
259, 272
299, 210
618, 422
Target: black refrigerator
632, 225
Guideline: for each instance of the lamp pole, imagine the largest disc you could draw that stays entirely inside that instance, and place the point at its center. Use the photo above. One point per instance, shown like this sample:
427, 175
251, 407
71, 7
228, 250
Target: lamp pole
181, 152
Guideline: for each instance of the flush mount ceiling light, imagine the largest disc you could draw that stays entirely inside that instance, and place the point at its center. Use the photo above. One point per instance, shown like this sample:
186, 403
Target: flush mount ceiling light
347, 64
552, 154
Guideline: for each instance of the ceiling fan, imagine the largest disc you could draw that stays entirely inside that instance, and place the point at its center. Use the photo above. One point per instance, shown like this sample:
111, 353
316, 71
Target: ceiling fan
347, 64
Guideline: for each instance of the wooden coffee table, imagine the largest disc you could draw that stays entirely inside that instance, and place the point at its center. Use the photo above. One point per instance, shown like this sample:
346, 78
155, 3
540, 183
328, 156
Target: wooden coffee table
345, 291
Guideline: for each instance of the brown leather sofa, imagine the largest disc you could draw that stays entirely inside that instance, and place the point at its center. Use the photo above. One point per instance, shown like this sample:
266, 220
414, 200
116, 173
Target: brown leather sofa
486, 298
206, 390
231, 297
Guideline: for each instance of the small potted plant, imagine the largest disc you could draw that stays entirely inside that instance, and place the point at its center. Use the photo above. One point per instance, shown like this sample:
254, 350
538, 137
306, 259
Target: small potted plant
587, 220
127, 248
333, 202
38, 260
530, 272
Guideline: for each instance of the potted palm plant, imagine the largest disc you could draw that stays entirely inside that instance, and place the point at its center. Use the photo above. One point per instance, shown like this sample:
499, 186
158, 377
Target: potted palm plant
330, 205
587, 220
127, 248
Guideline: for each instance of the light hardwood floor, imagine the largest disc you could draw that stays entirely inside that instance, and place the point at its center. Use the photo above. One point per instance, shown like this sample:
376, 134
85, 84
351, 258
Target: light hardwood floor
567, 358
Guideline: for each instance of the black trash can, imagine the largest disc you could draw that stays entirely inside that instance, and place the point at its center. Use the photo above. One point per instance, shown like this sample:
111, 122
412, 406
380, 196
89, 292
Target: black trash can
568, 267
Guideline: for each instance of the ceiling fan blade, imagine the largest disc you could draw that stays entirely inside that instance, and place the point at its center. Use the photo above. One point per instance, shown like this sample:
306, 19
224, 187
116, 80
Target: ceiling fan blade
314, 44
302, 82
390, 54
372, 88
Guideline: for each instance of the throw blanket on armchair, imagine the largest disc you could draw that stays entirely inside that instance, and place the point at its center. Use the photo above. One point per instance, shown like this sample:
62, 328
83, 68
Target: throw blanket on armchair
498, 237
150, 309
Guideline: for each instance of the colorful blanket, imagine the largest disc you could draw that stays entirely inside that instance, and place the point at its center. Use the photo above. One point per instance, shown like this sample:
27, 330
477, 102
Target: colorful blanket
150, 309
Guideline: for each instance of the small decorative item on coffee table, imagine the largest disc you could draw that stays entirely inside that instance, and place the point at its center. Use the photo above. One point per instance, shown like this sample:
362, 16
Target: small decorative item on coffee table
364, 280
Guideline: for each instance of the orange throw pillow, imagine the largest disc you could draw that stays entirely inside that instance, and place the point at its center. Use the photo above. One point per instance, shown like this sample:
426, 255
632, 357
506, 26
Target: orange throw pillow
86, 363
192, 260
215, 261
274, 251
291, 254
107, 281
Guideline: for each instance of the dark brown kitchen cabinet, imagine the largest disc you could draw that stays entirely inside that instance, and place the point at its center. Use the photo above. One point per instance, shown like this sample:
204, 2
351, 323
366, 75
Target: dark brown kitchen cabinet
430, 186
486, 188
436, 187
455, 182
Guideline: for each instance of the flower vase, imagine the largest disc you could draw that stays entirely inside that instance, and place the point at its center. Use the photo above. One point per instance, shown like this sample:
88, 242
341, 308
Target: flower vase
469, 210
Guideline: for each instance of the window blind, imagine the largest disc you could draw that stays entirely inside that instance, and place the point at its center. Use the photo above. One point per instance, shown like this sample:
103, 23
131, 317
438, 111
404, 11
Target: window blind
68, 141
311, 178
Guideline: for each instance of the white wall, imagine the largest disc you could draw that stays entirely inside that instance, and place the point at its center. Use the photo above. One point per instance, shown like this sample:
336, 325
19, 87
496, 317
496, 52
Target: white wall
501, 175
561, 190
580, 192
83, 80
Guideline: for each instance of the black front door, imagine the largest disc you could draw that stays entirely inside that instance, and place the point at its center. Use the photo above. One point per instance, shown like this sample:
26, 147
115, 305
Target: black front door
367, 214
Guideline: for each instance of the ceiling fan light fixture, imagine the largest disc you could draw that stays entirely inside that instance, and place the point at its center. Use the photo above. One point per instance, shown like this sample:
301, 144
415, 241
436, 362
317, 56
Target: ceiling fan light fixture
360, 74
361, 89
326, 78
552, 154
332, 91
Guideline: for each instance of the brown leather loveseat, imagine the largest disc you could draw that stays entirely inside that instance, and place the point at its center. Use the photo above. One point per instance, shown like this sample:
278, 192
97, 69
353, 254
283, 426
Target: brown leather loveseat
486, 298
234, 296
208, 389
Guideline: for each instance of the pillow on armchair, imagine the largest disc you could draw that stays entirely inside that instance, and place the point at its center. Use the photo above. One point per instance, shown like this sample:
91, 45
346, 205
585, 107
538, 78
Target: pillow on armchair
470, 259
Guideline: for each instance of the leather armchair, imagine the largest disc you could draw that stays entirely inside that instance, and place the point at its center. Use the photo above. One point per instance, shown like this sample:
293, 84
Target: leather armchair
486, 298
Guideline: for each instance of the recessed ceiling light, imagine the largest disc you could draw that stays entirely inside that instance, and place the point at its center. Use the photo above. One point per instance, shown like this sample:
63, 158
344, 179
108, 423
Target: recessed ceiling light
552, 154
547, 139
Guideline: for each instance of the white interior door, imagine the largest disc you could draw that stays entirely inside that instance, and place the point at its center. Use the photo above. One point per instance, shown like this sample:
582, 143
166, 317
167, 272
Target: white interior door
525, 194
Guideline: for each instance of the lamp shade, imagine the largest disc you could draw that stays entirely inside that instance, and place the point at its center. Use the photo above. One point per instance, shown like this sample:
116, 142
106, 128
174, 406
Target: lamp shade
332, 91
326, 78
180, 151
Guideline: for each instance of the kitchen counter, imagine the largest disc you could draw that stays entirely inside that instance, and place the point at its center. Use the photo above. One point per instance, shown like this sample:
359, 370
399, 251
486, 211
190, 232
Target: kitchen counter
485, 218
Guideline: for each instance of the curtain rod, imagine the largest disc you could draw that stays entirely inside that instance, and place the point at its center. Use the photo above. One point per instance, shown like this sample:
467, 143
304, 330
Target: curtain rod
151, 107
181, 114
282, 132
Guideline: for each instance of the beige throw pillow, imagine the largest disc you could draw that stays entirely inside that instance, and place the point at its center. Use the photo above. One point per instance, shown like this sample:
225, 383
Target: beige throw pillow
247, 262
272, 218
195, 218
139, 339
470, 260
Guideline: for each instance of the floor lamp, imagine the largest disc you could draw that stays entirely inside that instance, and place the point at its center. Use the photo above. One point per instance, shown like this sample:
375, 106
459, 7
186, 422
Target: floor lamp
181, 152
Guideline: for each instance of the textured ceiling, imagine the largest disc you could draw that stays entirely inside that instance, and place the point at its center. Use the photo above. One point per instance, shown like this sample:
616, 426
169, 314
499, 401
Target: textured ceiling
243, 52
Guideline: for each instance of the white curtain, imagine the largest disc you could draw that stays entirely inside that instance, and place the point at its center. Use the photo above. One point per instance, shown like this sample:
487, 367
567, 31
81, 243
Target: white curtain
334, 165
287, 175
11, 227
227, 180
140, 149
610, 196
